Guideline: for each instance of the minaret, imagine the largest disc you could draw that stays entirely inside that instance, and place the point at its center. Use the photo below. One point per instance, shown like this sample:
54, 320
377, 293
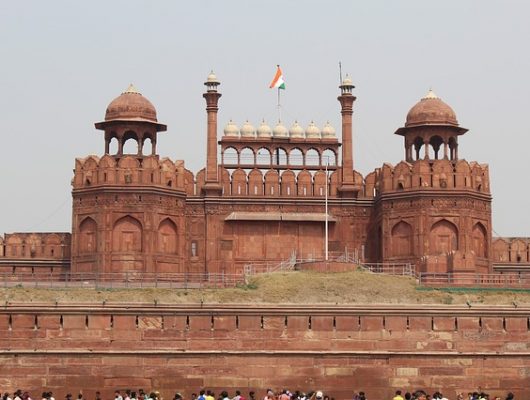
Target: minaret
212, 185
346, 98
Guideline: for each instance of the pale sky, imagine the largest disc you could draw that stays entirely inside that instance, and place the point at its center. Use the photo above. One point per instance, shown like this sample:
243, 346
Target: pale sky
62, 62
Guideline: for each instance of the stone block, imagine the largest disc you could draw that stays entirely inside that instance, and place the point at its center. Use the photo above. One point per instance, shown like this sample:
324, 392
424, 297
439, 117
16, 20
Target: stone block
49, 321
516, 324
225, 322
175, 322
444, 323
420, 323
347, 323
322, 323
99, 322
468, 323
492, 323
369, 323
274, 323
249, 322
124, 322
297, 323
200, 323
23, 321
396, 323
149, 322
74, 321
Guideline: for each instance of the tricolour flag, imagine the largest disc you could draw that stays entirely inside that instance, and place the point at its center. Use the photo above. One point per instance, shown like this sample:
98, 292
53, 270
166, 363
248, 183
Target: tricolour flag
278, 81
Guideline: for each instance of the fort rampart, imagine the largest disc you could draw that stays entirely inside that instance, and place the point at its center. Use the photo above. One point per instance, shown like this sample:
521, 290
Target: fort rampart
337, 349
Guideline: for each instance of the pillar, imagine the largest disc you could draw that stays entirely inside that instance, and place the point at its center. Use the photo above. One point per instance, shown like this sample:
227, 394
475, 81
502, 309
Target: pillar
346, 99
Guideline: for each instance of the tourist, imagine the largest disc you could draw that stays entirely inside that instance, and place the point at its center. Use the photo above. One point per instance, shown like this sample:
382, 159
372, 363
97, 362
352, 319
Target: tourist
398, 395
202, 395
210, 395
251, 396
98, 396
510, 396
117, 395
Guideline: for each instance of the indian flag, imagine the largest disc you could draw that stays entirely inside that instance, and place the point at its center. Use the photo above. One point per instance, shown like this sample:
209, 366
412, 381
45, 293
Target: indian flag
278, 81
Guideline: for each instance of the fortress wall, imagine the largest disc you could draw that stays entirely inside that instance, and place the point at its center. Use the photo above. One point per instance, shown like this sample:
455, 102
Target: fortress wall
338, 352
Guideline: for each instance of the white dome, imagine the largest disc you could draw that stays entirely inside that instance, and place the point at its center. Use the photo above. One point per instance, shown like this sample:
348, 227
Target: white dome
280, 130
312, 131
328, 131
296, 131
231, 129
247, 130
264, 130
212, 78
347, 81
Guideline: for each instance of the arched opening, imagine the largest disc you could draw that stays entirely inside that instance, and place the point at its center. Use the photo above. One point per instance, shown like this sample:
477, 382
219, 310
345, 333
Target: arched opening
87, 239
443, 237
230, 156
280, 157
402, 239
148, 146
418, 144
113, 146
247, 156
127, 235
480, 240
296, 157
329, 157
167, 237
452, 149
312, 157
263, 156
436, 144
130, 146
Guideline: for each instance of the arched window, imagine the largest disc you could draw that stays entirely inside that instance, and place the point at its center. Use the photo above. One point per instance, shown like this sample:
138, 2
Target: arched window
436, 143
312, 157
130, 143
402, 239
443, 237
127, 235
87, 239
230, 156
479, 240
113, 146
147, 146
247, 156
263, 156
296, 157
329, 157
279, 157
167, 237
418, 144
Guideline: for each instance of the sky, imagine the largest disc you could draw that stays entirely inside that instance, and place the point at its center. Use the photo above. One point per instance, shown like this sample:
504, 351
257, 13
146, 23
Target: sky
62, 62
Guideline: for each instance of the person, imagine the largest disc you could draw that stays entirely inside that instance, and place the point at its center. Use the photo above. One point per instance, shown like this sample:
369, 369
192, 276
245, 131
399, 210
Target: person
224, 395
238, 396
98, 396
252, 395
398, 395
117, 395
202, 395
319, 395
510, 396
210, 395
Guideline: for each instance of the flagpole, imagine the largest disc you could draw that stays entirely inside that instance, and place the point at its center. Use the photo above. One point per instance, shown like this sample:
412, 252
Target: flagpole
279, 107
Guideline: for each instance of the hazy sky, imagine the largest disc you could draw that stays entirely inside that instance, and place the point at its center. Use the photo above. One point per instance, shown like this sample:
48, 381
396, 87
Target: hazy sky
62, 62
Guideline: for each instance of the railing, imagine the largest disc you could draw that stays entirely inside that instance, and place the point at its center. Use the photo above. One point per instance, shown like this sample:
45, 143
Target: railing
121, 280
401, 269
464, 279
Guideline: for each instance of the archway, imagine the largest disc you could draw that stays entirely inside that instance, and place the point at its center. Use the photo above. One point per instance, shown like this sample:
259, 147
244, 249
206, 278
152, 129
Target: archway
87, 239
443, 237
167, 237
127, 235
402, 238
480, 240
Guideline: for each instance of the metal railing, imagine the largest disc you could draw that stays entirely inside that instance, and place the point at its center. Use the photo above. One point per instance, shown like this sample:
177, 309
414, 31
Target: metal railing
465, 279
400, 269
121, 280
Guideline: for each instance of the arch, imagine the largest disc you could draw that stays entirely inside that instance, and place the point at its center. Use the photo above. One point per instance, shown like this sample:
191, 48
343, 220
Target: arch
518, 251
453, 149
255, 183
443, 237
272, 183
128, 139
296, 157
418, 144
263, 156
312, 157
114, 146
288, 183
148, 146
480, 242
167, 238
436, 144
304, 184
239, 183
402, 239
127, 235
319, 184
87, 238
230, 156
329, 157
247, 156
279, 156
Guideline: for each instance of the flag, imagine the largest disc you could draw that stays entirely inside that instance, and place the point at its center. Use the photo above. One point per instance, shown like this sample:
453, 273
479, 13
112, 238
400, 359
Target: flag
278, 81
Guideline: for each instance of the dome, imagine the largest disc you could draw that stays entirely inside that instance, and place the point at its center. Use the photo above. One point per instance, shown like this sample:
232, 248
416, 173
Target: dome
296, 131
212, 78
312, 131
247, 130
280, 130
328, 132
347, 81
131, 106
431, 110
264, 130
231, 129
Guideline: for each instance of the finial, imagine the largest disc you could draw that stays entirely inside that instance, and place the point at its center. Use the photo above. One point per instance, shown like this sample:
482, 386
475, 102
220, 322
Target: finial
430, 95
131, 89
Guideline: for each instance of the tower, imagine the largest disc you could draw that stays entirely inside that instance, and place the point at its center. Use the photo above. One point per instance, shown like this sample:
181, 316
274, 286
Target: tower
346, 99
128, 206
434, 209
212, 184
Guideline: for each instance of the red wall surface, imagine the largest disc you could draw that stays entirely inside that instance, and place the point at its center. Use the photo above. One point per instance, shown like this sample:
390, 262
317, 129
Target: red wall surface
335, 349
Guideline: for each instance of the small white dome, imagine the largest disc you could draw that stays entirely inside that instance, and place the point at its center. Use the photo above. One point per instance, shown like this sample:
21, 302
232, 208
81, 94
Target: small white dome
312, 131
296, 131
347, 81
280, 130
328, 131
247, 130
264, 130
212, 78
231, 129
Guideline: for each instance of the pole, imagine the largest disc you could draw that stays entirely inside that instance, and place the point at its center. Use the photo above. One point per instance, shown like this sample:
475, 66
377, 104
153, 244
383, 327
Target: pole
279, 107
326, 211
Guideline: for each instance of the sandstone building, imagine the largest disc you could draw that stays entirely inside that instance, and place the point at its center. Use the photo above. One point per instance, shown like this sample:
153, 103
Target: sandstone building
263, 196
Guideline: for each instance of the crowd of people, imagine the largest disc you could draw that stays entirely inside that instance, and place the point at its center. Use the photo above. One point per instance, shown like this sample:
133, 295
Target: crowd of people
269, 395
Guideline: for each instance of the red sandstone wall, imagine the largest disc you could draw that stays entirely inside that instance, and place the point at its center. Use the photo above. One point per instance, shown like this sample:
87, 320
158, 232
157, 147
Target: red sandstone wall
337, 350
